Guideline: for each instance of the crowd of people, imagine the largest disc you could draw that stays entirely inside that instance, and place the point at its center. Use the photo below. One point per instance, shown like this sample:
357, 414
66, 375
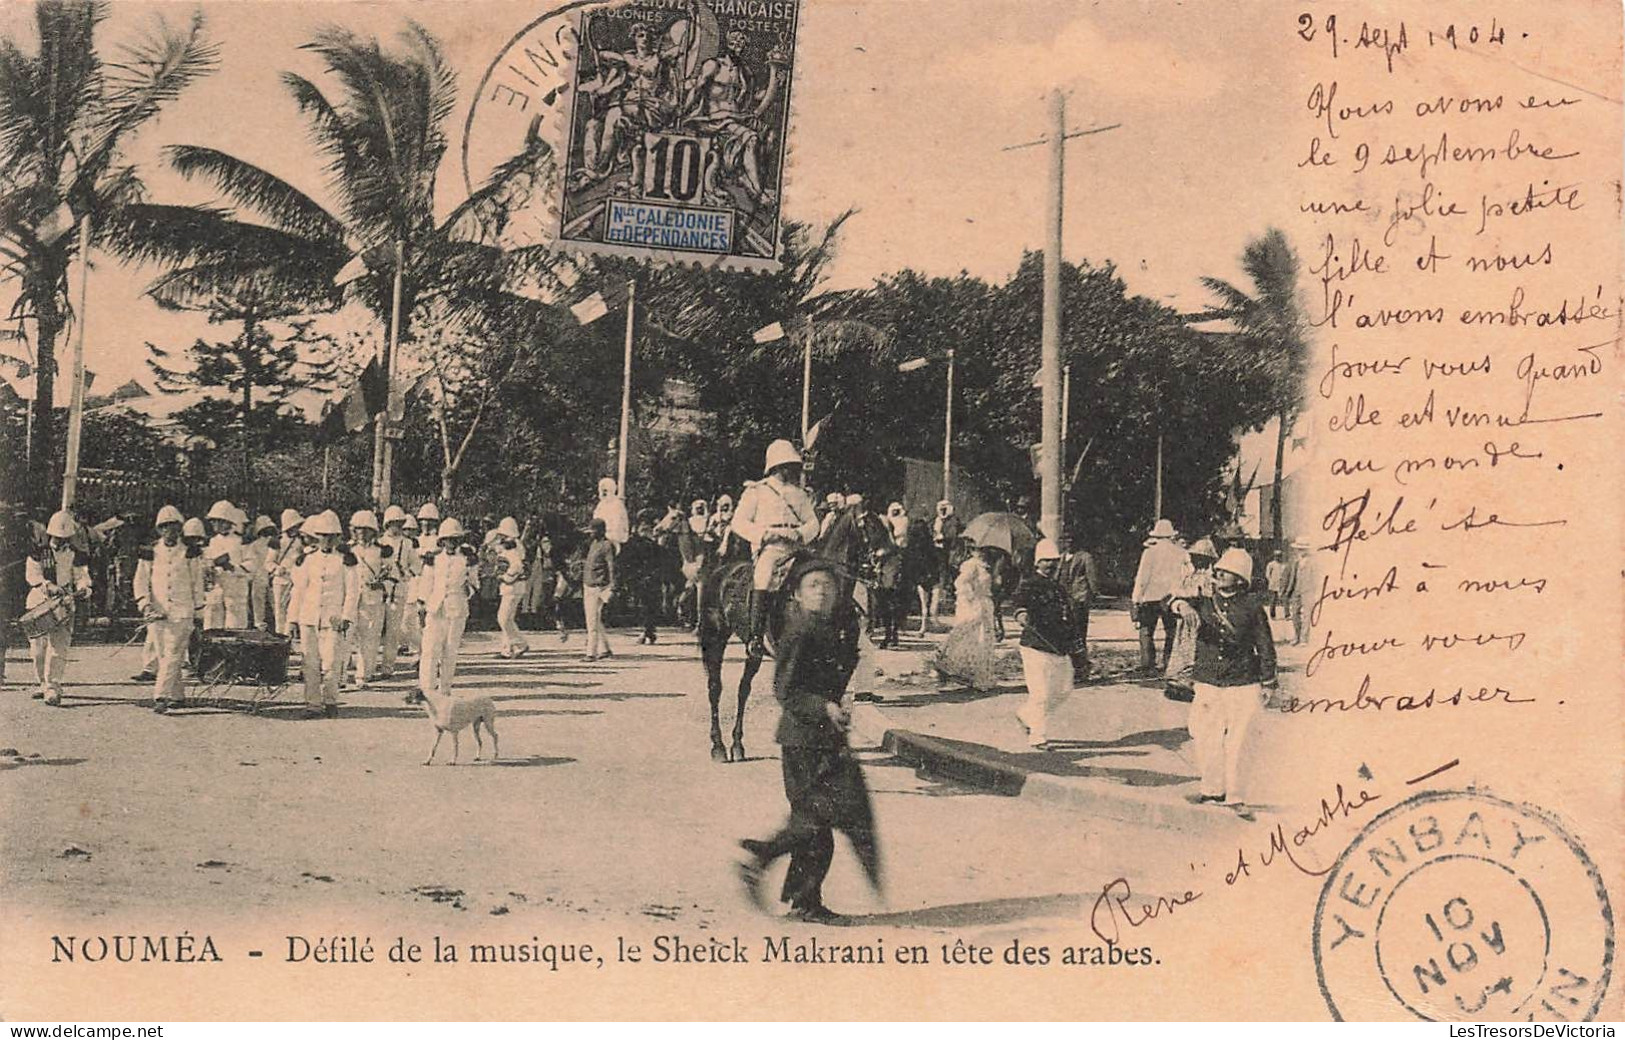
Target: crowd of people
353, 598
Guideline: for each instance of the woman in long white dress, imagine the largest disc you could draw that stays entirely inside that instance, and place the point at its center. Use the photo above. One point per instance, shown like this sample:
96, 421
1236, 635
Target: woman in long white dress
967, 653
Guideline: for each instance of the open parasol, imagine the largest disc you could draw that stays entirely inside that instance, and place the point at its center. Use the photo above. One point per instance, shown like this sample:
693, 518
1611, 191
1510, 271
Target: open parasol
1005, 531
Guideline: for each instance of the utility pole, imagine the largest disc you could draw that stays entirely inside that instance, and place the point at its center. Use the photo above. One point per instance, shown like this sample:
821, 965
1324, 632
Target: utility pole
1049, 473
626, 391
383, 452
1049, 373
806, 383
76, 402
948, 436
1156, 506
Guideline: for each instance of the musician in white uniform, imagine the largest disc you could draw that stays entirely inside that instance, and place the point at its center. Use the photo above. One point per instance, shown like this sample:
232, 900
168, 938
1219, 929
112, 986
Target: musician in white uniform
776, 516
280, 567
227, 605
326, 591
400, 554
257, 562
450, 575
376, 573
59, 575
510, 587
169, 591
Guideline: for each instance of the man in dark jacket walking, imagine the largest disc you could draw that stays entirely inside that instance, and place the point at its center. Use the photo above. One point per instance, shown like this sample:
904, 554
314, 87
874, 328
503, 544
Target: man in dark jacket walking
1048, 638
1235, 663
814, 659
1081, 579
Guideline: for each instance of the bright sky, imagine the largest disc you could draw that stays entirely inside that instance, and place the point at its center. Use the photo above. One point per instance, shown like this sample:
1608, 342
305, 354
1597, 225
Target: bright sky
901, 110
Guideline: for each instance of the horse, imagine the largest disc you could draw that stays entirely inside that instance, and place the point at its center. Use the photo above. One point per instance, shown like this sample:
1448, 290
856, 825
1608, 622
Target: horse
724, 609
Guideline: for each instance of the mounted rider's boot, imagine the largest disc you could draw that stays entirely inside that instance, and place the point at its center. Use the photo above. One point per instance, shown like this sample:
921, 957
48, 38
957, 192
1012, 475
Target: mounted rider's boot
756, 645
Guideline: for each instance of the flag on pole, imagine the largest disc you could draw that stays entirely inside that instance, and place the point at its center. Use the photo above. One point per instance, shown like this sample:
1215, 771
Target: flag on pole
353, 271
355, 411
813, 432
590, 309
55, 225
913, 364
768, 333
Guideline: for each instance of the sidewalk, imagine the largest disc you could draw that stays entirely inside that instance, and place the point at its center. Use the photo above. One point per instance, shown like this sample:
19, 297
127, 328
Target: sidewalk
1119, 749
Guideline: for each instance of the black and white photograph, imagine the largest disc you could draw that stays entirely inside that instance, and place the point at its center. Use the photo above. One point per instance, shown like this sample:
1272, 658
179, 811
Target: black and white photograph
809, 510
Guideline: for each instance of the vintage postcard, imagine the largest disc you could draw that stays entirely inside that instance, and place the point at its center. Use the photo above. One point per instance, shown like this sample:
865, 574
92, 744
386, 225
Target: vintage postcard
810, 510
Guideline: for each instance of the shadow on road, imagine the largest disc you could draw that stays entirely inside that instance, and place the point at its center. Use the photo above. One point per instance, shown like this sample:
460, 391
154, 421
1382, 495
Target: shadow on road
529, 760
18, 763
576, 697
988, 912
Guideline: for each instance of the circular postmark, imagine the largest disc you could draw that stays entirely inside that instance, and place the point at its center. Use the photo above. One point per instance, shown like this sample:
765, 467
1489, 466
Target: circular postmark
1458, 905
520, 101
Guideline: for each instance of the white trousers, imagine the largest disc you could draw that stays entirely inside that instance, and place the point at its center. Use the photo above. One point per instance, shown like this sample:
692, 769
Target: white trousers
323, 651
227, 605
767, 560
592, 604
1049, 684
170, 641
50, 653
366, 635
507, 612
259, 600
863, 676
281, 597
149, 650
442, 639
395, 630
1219, 720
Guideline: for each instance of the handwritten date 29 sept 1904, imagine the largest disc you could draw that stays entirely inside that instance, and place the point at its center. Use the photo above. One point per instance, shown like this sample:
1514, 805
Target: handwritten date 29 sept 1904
1391, 41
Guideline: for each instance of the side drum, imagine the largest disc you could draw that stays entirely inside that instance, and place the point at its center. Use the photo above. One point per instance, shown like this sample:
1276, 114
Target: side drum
46, 618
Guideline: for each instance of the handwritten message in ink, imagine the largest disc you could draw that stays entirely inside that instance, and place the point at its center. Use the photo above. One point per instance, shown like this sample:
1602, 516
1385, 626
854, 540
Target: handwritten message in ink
1462, 288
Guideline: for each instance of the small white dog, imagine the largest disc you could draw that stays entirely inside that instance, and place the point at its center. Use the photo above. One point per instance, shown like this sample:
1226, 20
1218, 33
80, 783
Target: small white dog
455, 714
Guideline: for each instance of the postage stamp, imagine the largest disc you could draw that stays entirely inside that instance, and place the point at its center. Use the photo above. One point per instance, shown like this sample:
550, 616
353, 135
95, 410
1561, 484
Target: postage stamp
1458, 905
677, 131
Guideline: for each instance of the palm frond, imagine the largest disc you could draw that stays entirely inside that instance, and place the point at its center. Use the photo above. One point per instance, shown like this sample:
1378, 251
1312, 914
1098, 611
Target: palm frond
150, 74
255, 189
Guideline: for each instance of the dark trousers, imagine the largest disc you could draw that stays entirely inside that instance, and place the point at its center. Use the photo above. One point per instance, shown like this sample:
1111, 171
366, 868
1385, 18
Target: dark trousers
1146, 616
826, 792
648, 595
1080, 658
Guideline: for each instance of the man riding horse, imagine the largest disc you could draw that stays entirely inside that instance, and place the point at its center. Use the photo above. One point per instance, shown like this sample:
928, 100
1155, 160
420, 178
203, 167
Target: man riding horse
776, 516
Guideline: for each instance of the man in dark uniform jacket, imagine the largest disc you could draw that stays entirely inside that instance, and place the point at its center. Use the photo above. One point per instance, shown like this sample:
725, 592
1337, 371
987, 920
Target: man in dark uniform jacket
814, 659
1081, 580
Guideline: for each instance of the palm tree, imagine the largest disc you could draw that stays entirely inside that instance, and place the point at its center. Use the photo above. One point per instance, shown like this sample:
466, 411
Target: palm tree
383, 133
64, 115
1271, 321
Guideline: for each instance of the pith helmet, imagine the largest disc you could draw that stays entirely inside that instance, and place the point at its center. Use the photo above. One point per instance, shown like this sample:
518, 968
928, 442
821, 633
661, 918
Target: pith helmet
428, 511
450, 527
262, 523
392, 515
508, 528
606, 484
409, 523
325, 522
1205, 547
364, 518
223, 510
290, 520
1237, 562
169, 515
193, 528
1046, 550
780, 453
62, 525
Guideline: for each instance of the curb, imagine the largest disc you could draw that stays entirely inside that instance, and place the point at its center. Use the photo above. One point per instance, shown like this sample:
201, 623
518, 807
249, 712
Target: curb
987, 770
